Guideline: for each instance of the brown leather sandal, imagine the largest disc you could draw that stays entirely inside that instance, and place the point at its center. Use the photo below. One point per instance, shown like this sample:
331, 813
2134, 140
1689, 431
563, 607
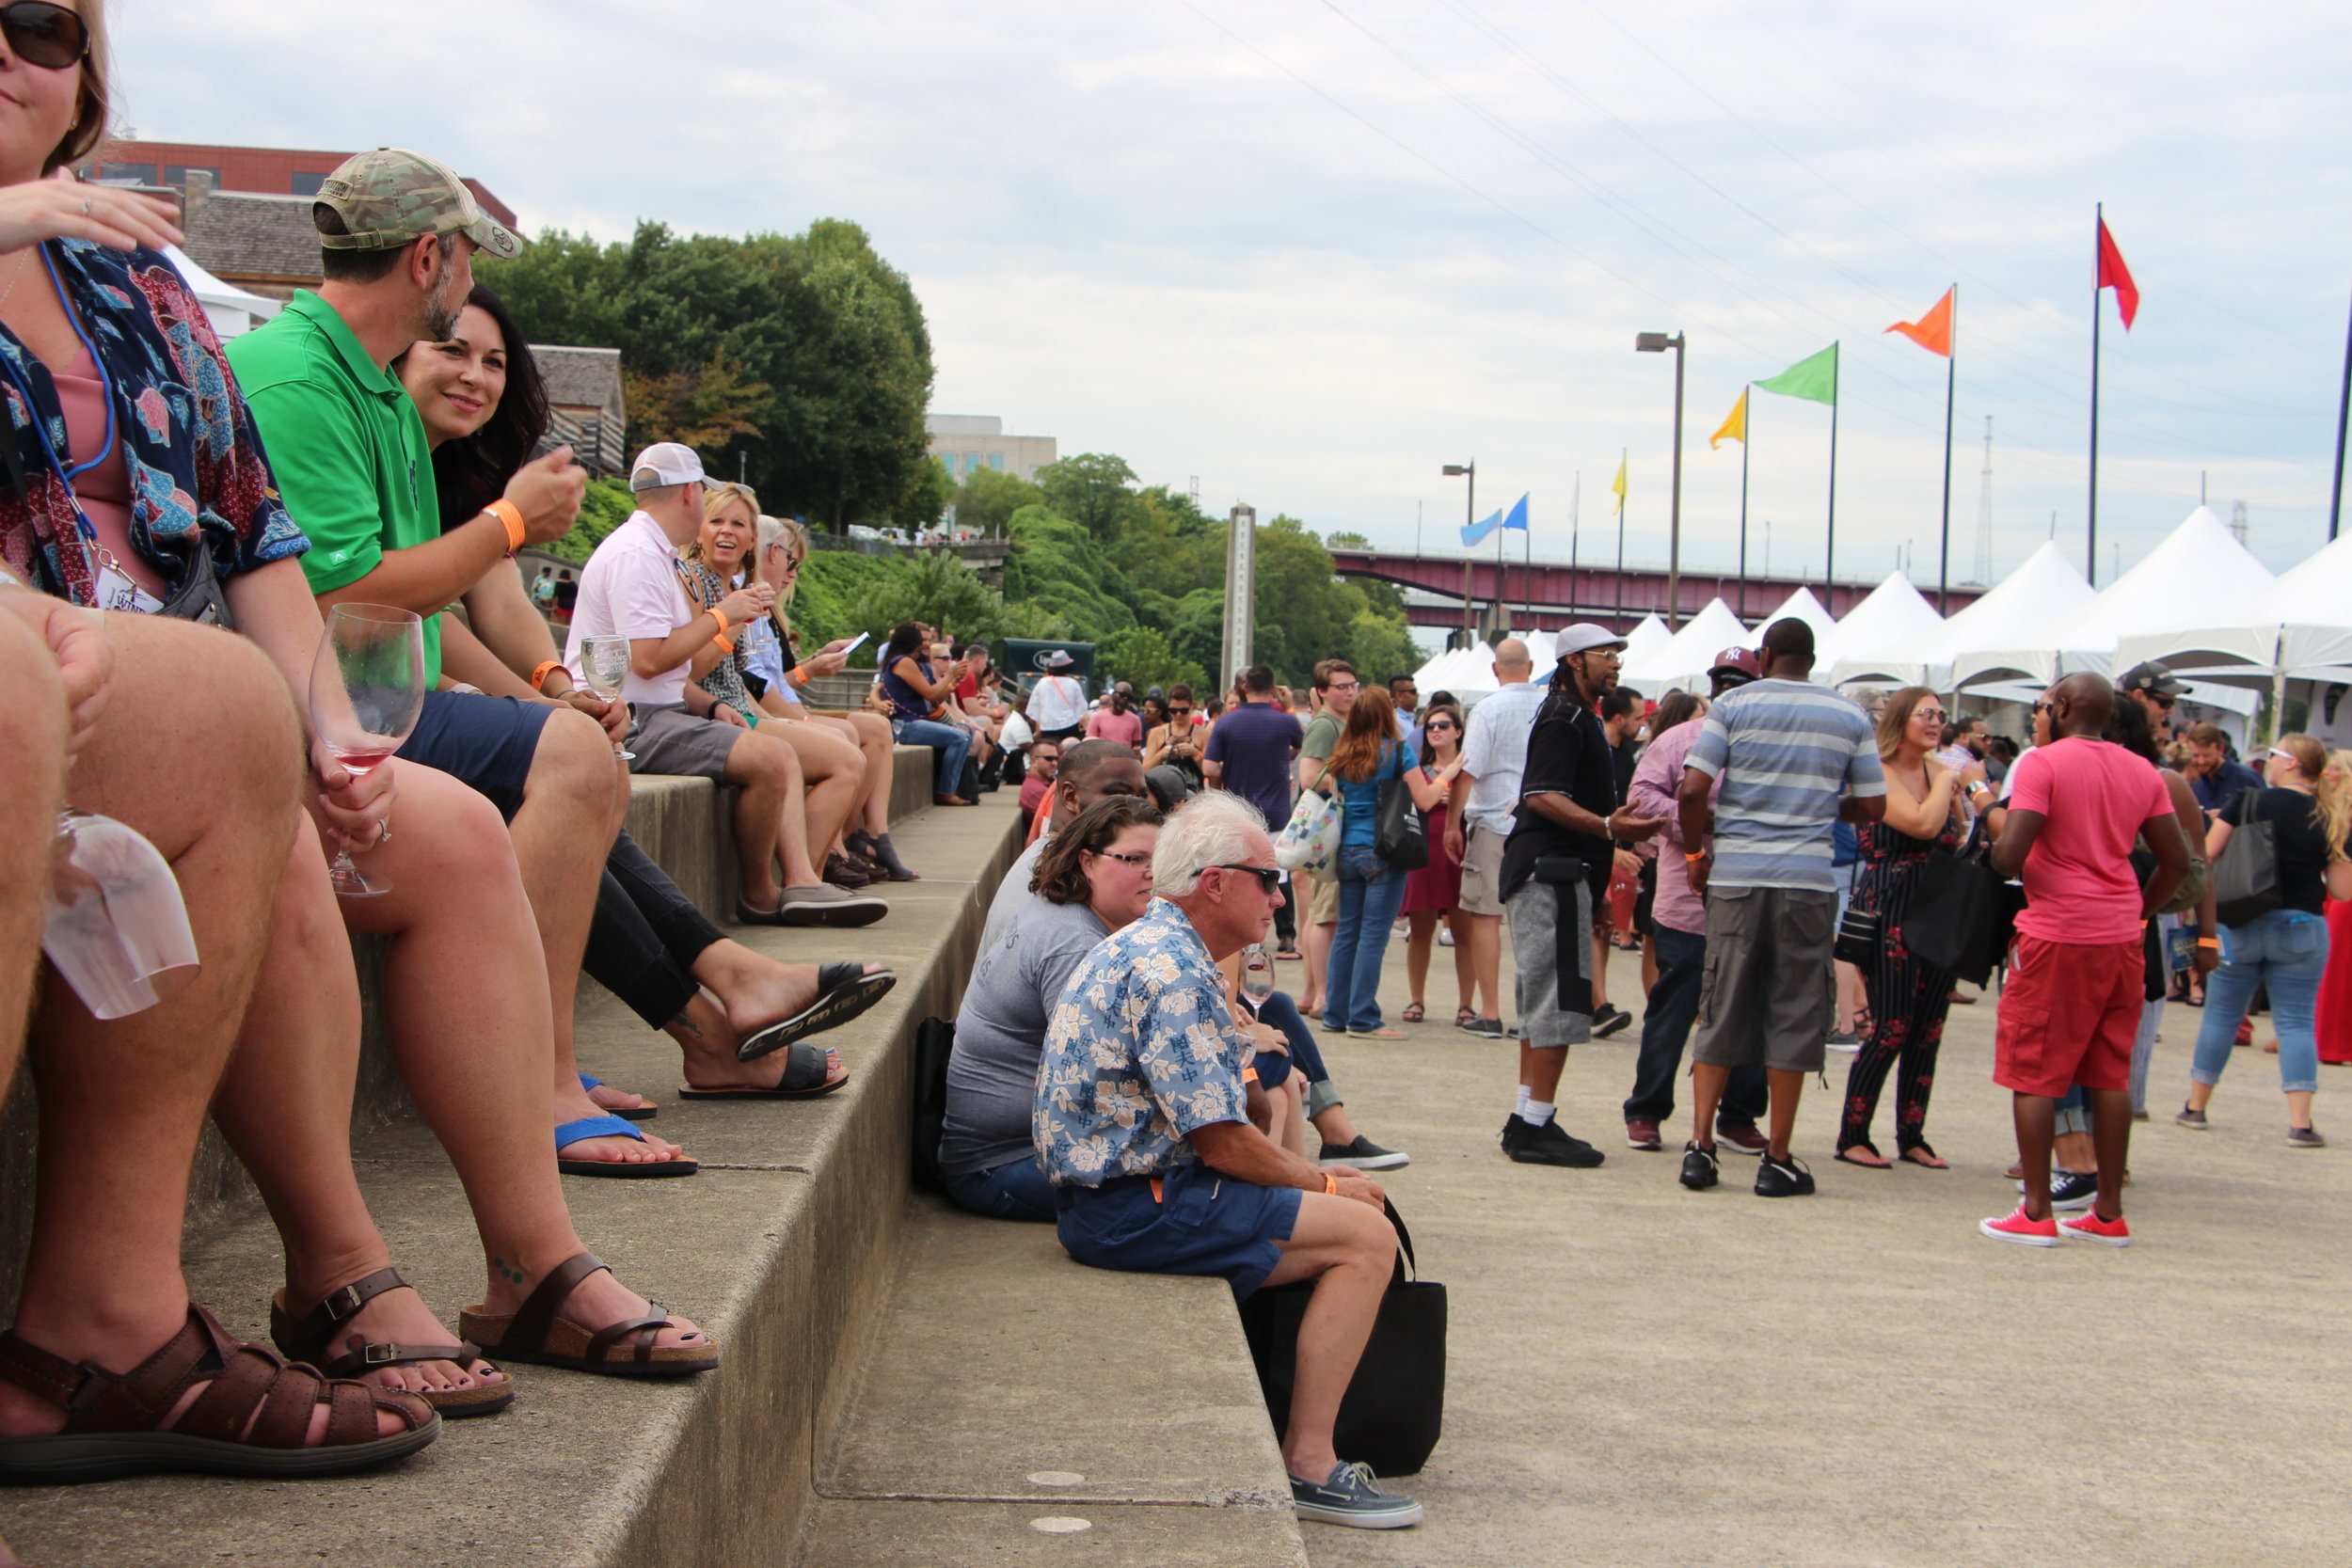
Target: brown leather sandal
539, 1334
253, 1420
313, 1339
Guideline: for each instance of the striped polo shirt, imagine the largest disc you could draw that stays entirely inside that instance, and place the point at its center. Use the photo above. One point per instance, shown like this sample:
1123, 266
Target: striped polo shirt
1786, 751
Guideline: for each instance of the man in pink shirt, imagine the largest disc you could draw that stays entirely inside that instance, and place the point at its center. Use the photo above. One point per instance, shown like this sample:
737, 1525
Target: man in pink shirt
2077, 977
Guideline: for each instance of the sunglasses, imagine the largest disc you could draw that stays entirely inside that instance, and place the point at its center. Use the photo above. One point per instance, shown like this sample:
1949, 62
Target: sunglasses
1129, 860
2046, 707
1269, 877
2165, 703
1435, 725
44, 35
1933, 714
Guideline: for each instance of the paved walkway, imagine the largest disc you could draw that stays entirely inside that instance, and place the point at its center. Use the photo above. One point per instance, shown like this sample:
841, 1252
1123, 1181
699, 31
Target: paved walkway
1641, 1374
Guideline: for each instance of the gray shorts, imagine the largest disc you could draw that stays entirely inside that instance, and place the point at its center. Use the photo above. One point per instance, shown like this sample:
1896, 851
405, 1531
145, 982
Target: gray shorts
1481, 872
1769, 993
1533, 914
669, 740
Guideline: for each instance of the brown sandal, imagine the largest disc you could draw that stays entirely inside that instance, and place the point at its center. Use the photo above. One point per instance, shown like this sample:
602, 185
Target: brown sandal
537, 1333
313, 1341
253, 1420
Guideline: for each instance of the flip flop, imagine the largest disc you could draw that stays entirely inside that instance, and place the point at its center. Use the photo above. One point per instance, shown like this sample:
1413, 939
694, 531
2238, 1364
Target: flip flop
627, 1112
817, 1068
843, 992
1932, 1162
613, 1126
1864, 1164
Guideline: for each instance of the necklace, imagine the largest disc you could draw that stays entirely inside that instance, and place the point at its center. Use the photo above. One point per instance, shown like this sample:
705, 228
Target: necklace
21, 263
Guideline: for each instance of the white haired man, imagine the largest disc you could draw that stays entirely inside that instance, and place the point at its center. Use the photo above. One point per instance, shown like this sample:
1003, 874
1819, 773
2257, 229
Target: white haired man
1143, 1132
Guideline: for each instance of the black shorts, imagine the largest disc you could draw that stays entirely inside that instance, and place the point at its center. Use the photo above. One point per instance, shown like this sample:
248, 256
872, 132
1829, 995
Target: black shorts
487, 742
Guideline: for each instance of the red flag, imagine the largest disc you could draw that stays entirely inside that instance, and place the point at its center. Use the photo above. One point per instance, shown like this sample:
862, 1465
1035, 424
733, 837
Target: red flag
1932, 331
2115, 275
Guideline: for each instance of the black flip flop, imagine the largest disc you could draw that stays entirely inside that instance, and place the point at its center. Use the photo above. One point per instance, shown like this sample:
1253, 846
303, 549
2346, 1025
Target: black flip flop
843, 992
811, 1064
1860, 1164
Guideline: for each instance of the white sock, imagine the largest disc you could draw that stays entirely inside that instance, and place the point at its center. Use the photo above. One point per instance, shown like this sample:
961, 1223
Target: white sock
1537, 1112
1521, 1110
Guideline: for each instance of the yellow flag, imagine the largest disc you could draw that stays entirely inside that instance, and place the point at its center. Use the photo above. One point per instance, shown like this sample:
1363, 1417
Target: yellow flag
1617, 484
1735, 425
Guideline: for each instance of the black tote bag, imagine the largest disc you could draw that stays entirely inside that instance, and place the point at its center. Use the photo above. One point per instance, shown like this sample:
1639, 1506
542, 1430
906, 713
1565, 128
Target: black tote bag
1394, 1408
2246, 877
1962, 915
1400, 833
934, 1044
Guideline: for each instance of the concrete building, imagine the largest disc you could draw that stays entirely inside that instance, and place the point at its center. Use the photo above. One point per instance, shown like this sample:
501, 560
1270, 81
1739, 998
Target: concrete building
966, 443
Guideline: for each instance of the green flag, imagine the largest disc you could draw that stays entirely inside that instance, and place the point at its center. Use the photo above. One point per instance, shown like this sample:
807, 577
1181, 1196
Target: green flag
1815, 378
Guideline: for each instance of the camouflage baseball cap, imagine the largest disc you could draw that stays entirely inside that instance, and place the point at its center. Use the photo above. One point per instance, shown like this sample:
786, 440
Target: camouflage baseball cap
391, 197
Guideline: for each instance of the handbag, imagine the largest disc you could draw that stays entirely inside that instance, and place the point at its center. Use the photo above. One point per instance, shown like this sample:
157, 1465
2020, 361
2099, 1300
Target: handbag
2246, 877
1393, 1411
1308, 837
1858, 936
1401, 834
1963, 912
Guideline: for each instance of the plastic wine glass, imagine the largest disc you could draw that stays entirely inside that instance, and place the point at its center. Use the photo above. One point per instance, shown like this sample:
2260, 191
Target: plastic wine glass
605, 661
367, 689
1256, 976
115, 920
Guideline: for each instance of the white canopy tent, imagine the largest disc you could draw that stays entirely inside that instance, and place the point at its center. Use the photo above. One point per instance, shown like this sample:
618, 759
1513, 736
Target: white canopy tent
1464, 672
1683, 659
2296, 625
2012, 629
1649, 635
230, 309
2198, 569
1806, 607
1886, 633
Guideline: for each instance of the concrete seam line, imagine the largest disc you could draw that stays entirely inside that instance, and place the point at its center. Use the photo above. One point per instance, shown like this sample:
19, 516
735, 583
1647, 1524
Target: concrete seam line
1255, 1503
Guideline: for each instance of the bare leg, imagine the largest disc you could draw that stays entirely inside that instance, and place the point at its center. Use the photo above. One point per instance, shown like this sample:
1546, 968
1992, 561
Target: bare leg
769, 777
1348, 1248
1465, 969
1787, 1089
1706, 1093
2076, 1151
1487, 961
2111, 1125
871, 732
2034, 1116
1315, 942
834, 772
1600, 963
1417, 946
33, 729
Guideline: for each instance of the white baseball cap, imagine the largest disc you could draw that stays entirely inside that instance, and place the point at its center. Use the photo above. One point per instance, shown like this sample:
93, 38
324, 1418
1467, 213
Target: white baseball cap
1583, 637
663, 464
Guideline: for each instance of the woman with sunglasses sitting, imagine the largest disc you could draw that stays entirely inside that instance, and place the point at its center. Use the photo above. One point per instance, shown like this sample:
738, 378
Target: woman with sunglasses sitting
1094, 877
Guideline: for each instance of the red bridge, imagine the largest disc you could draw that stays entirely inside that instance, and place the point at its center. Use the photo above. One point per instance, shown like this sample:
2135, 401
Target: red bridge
1549, 595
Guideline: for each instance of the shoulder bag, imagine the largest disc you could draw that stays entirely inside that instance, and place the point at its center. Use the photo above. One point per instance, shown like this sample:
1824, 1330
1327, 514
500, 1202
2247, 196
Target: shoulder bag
1964, 911
1308, 837
1393, 1411
1401, 834
2246, 877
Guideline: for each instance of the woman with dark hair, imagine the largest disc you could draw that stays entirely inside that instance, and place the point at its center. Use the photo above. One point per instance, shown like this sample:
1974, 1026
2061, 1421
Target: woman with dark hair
2130, 729
1907, 997
1094, 877
910, 694
1369, 753
1433, 893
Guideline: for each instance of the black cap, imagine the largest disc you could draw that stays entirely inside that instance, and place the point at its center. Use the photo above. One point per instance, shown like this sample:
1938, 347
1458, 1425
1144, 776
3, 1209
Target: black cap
2153, 677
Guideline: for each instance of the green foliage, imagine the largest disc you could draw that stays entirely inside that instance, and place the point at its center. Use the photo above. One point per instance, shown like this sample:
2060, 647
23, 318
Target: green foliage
604, 508
806, 358
1346, 540
1055, 564
927, 496
939, 589
986, 499
1141, 656
824, 605
1093, 490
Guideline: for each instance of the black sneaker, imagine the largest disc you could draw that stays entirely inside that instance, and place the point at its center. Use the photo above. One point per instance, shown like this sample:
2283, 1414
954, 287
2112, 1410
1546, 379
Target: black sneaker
1349, 1496
1610, 1020
1363, 1154
1549, 1145
1490, 1028
1698, 1167
1514, 1131
2071, 1190
1783, 1178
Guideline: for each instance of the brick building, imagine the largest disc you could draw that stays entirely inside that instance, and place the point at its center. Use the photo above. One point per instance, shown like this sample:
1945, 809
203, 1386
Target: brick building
265, 170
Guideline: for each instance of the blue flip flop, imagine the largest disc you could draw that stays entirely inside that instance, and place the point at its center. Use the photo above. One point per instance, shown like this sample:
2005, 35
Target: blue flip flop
612, 1127
627, 1112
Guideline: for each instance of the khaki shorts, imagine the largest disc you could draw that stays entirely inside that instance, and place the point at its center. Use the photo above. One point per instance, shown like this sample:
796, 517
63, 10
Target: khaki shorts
1768, 994
1481, 872
1324, 910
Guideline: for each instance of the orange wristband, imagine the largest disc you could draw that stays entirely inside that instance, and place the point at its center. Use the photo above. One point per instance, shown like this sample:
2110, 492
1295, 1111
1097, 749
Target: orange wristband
1250, 1075
539, 673
509, 514
725, 641
1331, 1184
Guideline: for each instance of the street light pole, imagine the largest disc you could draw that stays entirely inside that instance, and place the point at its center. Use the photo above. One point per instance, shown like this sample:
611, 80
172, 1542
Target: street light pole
1658, 342
1469, 515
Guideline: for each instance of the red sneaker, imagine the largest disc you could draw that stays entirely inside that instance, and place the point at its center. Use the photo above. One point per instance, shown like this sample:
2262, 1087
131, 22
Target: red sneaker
2015, 1227
1742, 1140
2090, 1227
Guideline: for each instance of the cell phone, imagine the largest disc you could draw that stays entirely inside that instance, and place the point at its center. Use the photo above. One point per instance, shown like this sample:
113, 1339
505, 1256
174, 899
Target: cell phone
862, 639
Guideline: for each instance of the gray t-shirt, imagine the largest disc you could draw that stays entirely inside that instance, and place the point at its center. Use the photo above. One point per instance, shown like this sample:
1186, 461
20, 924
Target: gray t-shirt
1000, 1032
1012, 894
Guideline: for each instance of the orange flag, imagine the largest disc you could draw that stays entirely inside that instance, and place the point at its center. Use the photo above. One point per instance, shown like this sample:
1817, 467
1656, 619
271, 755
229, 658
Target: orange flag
1932, 331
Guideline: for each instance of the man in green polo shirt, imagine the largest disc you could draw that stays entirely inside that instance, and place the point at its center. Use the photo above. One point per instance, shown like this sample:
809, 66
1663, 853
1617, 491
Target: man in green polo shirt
398, 232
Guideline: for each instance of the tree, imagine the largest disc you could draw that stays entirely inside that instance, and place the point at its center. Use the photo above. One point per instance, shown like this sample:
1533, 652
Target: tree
1346, 540
605, 507
1093, 490
1141, 657
940, 590
987, 499
705, 408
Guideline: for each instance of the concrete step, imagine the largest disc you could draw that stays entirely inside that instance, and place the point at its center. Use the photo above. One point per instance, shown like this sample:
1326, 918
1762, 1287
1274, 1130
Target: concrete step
1010, 1392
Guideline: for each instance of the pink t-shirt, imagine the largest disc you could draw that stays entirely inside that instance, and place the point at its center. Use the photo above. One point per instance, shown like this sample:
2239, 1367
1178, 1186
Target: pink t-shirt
1125, 728
2093, 797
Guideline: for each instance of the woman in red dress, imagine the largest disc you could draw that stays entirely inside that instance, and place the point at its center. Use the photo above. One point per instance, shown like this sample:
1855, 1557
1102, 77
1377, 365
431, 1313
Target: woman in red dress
2334, 1021
1436, 889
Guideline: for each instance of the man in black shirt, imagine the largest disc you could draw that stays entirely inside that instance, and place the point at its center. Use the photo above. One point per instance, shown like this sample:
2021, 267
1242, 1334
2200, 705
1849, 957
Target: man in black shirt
1555, 866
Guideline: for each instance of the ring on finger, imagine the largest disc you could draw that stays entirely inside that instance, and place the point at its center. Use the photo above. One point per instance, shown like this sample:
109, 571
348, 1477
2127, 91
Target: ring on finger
86, 206
383, 830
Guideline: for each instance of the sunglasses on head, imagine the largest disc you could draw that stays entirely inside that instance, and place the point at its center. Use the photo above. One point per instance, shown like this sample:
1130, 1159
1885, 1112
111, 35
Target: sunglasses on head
1269, 877
44, 35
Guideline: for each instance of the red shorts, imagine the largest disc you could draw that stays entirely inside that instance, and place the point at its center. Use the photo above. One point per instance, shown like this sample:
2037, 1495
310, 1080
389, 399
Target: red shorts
2068, 1014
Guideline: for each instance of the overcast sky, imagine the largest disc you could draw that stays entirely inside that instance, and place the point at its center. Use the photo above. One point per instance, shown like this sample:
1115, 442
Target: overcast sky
1309, 252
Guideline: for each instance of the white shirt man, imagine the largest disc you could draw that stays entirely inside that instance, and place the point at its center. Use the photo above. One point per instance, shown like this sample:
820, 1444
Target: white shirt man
632, 588
1058, 703
1494, 758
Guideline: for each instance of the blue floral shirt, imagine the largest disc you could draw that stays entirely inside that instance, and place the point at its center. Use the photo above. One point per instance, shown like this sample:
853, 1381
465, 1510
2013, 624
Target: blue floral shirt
1140, 1051
197, 474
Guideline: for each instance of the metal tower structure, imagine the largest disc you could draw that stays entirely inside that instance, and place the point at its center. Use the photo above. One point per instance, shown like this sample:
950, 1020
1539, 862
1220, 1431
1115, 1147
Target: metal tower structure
1983, 577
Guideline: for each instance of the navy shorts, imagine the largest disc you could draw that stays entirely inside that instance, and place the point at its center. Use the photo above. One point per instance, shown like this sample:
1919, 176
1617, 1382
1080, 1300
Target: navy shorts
1202, 1222
485, 741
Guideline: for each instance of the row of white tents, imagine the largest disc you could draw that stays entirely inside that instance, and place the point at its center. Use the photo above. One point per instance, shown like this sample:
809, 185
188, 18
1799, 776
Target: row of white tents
2198, 601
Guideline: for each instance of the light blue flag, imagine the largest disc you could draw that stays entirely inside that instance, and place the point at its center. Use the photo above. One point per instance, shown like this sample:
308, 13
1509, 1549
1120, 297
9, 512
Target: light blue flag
1518, 519
1478, 530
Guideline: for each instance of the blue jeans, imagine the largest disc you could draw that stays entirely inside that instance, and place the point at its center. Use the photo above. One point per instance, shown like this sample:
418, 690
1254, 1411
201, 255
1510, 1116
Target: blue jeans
952, 740
2287, 950
1274, 1069
1370, 895
1016, 1190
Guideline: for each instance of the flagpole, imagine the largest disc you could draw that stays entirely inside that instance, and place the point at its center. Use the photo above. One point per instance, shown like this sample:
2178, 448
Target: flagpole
1747, 436
1527, 572
2090, 541
1503, 597
1624, 454
1951, 375
1829, 557
2343, 411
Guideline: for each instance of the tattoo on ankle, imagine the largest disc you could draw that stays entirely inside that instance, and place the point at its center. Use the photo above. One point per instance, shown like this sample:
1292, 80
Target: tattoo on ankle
685, 1022
506, 1271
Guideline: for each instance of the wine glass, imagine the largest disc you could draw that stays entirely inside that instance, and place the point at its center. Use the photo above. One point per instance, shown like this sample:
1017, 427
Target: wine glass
115, 920
1256, 976
367, 689
605, 661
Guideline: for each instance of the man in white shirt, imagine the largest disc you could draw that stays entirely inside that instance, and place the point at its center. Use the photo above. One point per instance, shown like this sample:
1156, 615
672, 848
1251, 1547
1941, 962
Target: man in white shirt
1494, 756
632, 588
1057, 708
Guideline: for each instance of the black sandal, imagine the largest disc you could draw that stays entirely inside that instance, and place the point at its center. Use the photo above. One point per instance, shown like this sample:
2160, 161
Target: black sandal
809, 1071
539, 1334
1932, 1162
843, 992
313, 1339
1864, 1164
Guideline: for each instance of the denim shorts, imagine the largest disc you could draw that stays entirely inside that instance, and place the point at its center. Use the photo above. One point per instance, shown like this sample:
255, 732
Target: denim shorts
1201, 1221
